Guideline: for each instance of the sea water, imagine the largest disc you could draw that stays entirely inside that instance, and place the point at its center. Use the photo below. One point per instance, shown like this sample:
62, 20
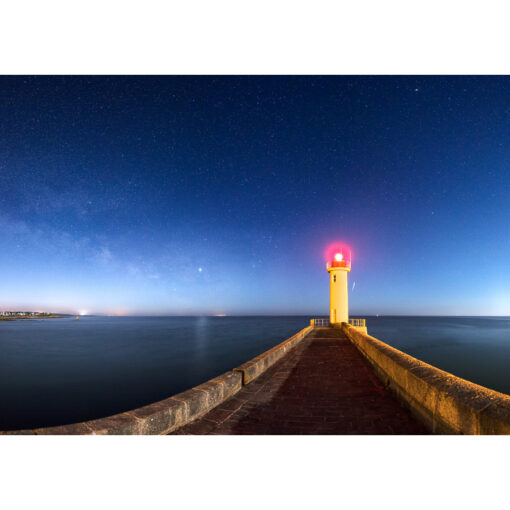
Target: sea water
57, 371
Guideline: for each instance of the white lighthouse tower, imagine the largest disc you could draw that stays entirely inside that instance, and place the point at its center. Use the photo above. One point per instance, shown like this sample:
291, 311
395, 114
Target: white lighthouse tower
338, 268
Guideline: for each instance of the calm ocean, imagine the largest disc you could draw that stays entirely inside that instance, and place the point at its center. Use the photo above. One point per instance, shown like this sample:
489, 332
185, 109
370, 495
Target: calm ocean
58, 371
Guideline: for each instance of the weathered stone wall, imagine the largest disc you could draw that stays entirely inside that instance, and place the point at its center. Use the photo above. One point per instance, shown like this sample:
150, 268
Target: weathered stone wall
168, 415
445, 403
252, 369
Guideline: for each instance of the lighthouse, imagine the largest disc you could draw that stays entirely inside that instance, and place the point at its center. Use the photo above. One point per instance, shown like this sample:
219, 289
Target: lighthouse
338, 268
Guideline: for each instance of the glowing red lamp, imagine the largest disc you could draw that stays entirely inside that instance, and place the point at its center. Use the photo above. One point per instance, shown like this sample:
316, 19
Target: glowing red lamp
339, 255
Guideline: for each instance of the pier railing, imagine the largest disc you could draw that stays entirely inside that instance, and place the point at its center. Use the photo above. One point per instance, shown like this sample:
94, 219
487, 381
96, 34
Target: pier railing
324, 323
319, 323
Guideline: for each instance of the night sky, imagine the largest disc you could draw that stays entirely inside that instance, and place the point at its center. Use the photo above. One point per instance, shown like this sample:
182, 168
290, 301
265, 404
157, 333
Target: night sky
205, 195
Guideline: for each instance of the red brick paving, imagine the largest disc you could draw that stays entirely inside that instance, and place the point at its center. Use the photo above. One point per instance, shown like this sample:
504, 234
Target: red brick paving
323, 386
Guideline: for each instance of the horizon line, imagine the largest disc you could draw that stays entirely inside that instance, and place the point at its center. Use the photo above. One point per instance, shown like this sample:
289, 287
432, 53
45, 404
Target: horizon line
355, 315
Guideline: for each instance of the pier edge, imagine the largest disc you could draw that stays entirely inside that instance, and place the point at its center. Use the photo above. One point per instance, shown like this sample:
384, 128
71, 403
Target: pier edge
445, 403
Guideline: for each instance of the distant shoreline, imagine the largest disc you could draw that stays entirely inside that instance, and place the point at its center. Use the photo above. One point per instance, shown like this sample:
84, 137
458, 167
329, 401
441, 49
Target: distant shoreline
24, 317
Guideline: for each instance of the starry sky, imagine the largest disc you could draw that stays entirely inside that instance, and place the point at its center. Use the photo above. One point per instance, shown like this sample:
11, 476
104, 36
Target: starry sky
208, 195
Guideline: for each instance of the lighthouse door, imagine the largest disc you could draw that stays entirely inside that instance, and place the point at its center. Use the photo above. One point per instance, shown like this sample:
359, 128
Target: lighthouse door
334, 315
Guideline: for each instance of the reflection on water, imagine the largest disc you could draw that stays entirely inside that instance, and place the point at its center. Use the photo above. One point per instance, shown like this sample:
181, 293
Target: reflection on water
202, 335
59, 371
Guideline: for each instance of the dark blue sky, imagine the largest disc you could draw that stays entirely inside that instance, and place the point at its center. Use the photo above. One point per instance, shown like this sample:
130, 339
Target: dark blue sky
184, 195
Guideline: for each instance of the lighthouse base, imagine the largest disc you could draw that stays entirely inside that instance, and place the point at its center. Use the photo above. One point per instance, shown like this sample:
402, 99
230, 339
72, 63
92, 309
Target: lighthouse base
358, 324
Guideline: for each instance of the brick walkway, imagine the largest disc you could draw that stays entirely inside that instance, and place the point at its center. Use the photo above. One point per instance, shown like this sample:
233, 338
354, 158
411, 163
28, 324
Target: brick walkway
323, 386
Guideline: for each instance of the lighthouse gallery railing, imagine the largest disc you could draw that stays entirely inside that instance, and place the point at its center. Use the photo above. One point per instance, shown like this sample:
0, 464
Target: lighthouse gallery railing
324, 323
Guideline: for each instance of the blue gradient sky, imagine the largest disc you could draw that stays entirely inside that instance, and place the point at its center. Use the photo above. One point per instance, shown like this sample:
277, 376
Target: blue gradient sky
190, 195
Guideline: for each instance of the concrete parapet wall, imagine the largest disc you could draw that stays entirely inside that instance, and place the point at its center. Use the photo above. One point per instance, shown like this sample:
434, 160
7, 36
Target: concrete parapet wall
253, 368
168, 415
445, 403
159, 418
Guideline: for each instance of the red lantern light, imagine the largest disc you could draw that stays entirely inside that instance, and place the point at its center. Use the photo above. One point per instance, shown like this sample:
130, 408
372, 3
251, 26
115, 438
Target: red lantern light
338, 254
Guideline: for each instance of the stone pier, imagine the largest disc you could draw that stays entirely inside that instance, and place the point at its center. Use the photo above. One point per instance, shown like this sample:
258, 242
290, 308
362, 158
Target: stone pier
322, 380
322, 386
